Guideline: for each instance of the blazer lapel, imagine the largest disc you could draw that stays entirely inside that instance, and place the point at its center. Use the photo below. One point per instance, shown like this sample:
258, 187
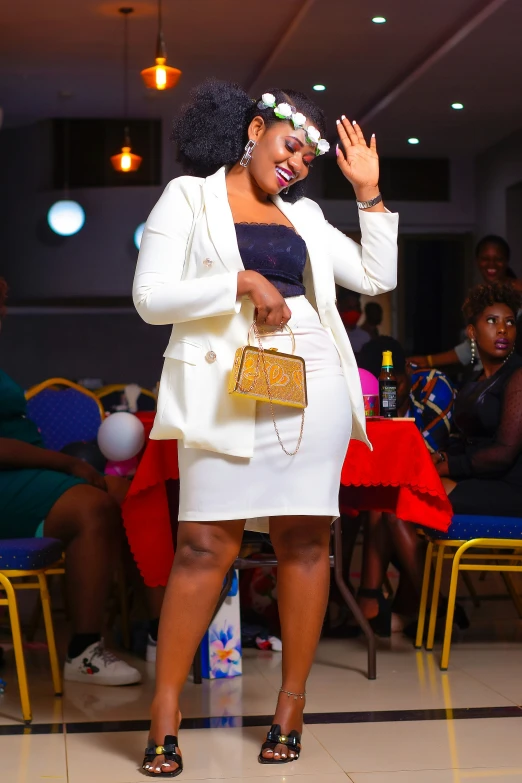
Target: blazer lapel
220, 221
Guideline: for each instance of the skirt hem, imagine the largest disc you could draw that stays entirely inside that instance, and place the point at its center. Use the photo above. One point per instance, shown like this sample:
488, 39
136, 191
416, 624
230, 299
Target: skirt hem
227, 517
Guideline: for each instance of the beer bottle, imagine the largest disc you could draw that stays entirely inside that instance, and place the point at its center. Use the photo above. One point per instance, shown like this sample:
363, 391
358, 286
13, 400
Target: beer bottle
387, 387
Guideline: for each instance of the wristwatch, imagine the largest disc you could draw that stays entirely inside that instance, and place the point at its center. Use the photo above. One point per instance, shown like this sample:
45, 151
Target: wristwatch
368, 204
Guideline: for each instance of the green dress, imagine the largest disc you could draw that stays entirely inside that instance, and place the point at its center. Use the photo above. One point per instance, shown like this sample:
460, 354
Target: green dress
27, 495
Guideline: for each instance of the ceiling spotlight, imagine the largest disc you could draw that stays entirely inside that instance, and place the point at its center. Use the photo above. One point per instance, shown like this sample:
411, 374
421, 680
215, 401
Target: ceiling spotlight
413, 140
319, 87
457, 106
379, 20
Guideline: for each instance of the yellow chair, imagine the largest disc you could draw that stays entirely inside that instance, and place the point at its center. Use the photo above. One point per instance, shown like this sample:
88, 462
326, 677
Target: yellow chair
472, 543
28, 560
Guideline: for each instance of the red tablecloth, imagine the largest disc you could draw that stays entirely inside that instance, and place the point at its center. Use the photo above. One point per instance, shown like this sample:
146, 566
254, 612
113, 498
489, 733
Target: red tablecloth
398, 476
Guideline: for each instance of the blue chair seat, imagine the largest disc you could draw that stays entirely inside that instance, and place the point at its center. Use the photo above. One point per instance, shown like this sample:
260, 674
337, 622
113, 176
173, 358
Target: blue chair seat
29, 554
464, 527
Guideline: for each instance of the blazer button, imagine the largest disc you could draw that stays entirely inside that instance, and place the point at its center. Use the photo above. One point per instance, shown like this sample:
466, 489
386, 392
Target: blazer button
208, 263
211, 357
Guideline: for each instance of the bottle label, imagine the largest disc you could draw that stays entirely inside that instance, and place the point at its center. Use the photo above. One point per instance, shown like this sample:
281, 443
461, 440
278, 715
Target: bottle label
389, 397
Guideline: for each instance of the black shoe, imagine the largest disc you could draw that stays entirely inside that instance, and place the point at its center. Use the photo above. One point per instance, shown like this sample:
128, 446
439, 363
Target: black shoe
276, 737
169, 750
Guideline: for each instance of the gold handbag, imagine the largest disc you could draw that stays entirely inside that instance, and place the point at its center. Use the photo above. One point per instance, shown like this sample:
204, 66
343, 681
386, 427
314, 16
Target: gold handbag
270, 376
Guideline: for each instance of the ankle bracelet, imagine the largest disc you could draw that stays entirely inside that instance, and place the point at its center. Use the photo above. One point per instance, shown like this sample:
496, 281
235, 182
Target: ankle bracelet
295, 695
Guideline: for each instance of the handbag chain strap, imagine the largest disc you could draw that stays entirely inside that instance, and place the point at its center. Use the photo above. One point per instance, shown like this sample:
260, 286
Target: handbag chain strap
262, 353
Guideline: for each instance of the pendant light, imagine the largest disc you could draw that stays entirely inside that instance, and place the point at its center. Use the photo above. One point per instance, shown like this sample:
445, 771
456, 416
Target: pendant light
161, 76
66, 217
126, 160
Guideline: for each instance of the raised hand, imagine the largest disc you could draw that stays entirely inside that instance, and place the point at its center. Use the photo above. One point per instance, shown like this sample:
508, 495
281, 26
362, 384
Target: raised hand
358, 162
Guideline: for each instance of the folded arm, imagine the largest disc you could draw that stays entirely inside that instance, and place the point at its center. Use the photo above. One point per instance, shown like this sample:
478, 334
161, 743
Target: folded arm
18, 455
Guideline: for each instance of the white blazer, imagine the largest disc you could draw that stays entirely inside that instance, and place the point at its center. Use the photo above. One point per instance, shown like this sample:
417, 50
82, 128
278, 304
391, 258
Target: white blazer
187, 276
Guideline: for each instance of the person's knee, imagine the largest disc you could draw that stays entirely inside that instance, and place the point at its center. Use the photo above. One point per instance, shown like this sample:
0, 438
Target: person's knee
100, 516
304, 545
205, 552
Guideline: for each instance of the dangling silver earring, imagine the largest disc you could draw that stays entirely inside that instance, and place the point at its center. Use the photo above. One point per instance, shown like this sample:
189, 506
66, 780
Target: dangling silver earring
473, 351
247, 157
286, 191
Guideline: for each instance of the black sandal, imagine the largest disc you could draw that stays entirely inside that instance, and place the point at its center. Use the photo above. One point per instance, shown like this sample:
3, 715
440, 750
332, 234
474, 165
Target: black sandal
168, 750
276, 737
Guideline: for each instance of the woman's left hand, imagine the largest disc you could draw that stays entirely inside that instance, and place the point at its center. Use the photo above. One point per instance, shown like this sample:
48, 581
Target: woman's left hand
358, 161
440, 465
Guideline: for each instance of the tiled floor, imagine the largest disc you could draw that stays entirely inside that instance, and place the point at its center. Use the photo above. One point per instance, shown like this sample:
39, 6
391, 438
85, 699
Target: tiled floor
412, 725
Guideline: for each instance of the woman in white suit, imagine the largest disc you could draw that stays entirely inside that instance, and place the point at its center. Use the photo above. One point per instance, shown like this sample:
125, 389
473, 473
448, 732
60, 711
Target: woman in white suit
221, 248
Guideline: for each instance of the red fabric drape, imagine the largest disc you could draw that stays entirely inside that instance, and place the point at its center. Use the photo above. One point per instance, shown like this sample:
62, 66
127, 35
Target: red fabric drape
398, 476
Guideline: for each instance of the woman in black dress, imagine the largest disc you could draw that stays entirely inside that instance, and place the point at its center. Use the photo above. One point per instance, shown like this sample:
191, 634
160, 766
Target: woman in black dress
482, 471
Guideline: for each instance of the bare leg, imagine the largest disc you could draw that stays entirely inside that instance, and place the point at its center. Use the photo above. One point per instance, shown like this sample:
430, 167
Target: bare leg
204, 553
302, 546
410, 549
377, 551
88, 521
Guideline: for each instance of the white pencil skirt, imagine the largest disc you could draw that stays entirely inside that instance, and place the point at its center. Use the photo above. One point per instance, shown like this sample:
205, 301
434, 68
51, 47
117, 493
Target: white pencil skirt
216, 487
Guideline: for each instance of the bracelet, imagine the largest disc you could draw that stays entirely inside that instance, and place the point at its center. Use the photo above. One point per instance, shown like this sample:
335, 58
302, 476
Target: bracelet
369, 204
429, 359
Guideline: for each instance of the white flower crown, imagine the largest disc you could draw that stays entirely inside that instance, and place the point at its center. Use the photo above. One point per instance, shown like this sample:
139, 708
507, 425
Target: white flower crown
286, 112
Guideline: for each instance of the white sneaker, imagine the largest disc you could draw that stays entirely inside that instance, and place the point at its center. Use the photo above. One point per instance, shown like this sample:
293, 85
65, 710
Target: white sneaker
98, 666
150, 656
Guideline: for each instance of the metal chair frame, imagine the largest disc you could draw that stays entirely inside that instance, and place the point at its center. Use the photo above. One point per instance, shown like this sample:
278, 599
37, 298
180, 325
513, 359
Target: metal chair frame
10, 587
459, 551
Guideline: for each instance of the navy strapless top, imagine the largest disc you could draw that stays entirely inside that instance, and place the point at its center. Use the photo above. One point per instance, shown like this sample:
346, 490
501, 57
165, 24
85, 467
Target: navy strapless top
275, 251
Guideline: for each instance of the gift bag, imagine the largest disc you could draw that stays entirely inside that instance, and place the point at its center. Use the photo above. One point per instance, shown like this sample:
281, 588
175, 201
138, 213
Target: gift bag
221, 646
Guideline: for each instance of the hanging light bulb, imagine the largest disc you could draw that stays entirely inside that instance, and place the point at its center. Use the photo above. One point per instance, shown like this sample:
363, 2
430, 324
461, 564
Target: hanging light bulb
160, 76
126, 160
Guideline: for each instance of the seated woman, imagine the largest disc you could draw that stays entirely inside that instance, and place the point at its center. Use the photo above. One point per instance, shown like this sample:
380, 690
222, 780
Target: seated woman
482, 468
48, 493
482, 471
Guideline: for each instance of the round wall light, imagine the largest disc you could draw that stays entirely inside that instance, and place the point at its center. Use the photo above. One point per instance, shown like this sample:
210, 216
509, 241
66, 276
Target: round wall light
66, 218
379, 20
138, 235
319, 87
413, 140
457, 106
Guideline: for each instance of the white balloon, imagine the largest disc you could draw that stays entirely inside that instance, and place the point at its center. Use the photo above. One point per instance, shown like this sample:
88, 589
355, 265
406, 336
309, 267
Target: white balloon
121, 436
